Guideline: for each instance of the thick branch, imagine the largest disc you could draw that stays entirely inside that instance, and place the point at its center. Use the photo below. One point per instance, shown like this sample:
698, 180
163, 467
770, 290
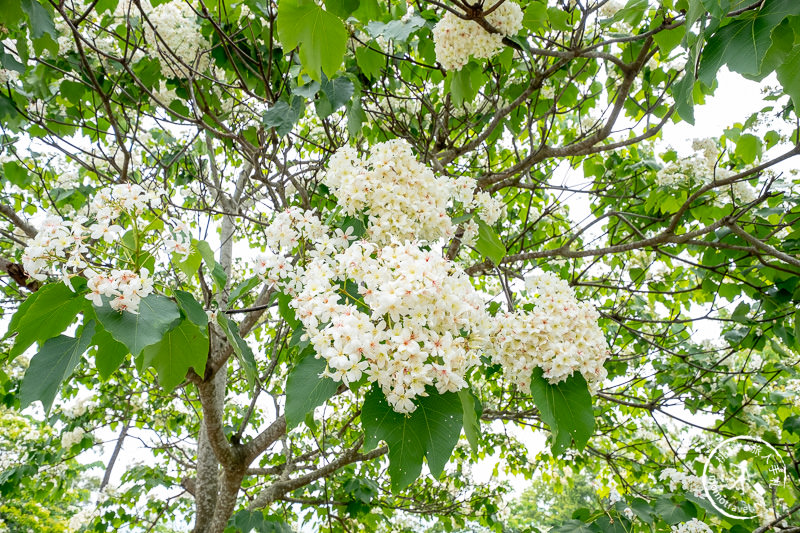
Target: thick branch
8, 212
351, 455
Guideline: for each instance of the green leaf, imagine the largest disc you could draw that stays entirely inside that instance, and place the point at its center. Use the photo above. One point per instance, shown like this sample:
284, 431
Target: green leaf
643, 510
748, 147
743, 44
243, 288
109, 354
182, 348
573, 526
789, 76
535, 16
305, 389
369, 61
489, 244
309, 90
674, 513
246, 521
341, 8
566, 407
191, 263
40, 19
157, 315
335, 94
192, 308
396, 30
683, 93
338, 91
460, 86
321, 36
472, 409
53, 364
16, 174
242, 350
797, 324
667, 40
45, 314
431, 431
217, 272
792, 424
283, 116
286, 311
559, 19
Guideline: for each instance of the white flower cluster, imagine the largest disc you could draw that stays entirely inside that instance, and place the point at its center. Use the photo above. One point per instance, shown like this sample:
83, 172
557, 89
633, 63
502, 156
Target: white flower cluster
761, 421
173, 30
688, 482
79, 407
126, 287
456, 39
404, 199
404, 316
560, 335
692, 526
610, 8
286, 231
697, 168
66, 242
701, 168
71, 438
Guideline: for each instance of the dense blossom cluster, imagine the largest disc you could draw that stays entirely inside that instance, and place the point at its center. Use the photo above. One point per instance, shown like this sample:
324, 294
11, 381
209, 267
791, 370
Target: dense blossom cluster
402, 315
65, 244
71, 438
173, 30
403, 197
679, 480
692, 526
457, 39
559, 334
701, 168
284, 234
391, 310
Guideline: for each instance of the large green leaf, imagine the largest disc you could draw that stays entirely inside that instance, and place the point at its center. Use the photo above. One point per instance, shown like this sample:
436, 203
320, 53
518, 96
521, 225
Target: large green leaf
369, 61
217, 272
341, 8
40, 19
472, 410
431, 431
321, 36
243, 352
789, 75
53, 364
283, 116
192, 309
337, 92
157, 315
743, 44
182, 348
45, 314
109, 354
675, 512
489, 244
566, 407
683, 93
306, 389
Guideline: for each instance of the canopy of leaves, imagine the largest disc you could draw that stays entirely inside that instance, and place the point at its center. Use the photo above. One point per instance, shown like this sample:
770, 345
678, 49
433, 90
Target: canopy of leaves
207, 402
